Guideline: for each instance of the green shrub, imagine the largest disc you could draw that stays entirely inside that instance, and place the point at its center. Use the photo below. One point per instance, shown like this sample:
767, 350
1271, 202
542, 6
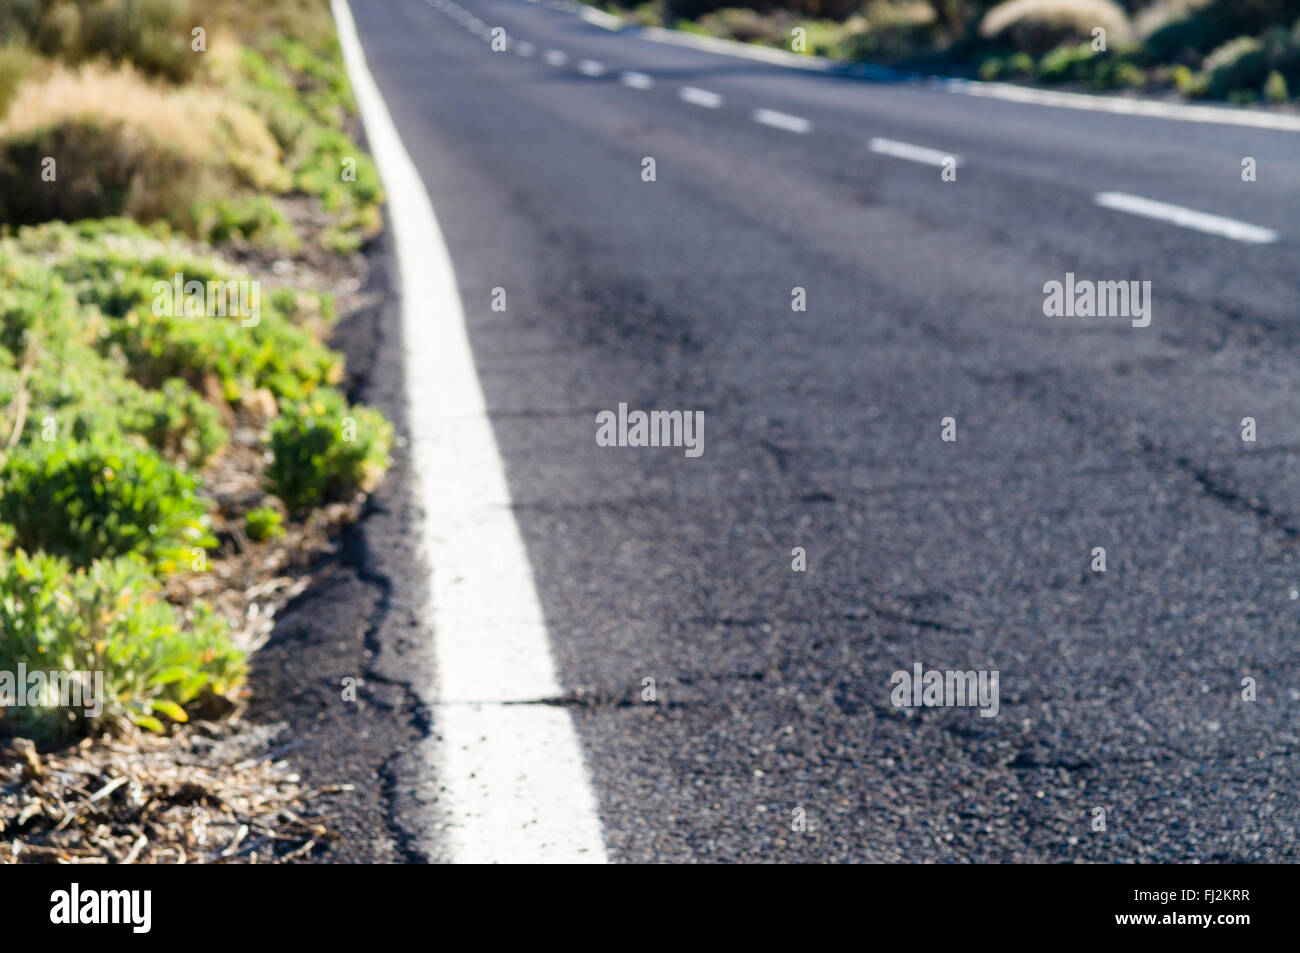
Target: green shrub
152, 35
274, 354
110, 617
1113, 72
1190, 84
1275, 90
37, 309
892, 33
52, 356
174, 420
1206, 26
1235, 65
80, 395
253, 218
1018, 64
118, 279
1015, 66
304, 99
100, 499
748, 26
324, 450
1067, 64
264, 523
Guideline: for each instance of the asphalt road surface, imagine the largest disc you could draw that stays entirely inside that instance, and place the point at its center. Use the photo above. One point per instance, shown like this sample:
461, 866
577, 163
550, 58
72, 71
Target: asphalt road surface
1119, 690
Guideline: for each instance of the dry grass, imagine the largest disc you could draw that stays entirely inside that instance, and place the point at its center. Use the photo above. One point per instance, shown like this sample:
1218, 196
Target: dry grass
1057, 18
1163, 12
213, 793
195, 124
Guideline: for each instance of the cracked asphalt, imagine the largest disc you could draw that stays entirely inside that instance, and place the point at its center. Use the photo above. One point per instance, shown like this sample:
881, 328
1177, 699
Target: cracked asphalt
1120, 690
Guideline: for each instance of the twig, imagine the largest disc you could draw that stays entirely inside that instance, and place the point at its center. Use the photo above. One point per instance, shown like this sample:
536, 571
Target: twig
138, 846
107, 789
22, 399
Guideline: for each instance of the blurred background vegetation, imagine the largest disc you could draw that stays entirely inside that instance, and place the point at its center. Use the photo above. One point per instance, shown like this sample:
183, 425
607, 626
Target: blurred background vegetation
1240, 51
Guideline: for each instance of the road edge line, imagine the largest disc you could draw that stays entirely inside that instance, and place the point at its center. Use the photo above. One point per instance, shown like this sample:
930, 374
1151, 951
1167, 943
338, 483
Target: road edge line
514, 787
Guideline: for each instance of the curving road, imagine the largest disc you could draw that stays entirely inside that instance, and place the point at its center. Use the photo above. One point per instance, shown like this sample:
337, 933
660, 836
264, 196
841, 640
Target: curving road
1119, 690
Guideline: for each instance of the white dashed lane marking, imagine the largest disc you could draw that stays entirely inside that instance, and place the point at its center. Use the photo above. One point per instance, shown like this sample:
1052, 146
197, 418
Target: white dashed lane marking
779, 120
1186, 217
636, 80
591, 68
905, 150
699, 97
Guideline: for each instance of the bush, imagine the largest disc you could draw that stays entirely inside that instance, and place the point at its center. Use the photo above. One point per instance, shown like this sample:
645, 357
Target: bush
264, 523
304, 99
118, 279
99, 499
1275, 90
1235, 65
110, 618
79, 395
36, 309
125, 146
1067, 64
175, 421
1205, 26
1015, 66
891, 32
253, 218
746, 26
323, 451
151, 35
102, 170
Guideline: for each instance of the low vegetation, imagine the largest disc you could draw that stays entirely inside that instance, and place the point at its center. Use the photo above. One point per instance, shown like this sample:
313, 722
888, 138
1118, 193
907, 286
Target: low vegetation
1241, 51
140, 364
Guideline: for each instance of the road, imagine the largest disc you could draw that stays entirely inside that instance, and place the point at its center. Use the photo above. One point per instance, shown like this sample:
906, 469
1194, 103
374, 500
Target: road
1119, 690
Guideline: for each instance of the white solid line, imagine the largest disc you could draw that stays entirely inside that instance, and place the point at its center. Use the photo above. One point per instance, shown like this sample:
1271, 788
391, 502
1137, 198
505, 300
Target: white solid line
699, 97
770, 117
556, 58
634, 79
591, 68
1221, 115
735, 48
1186, 217
905, 150
513, 787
